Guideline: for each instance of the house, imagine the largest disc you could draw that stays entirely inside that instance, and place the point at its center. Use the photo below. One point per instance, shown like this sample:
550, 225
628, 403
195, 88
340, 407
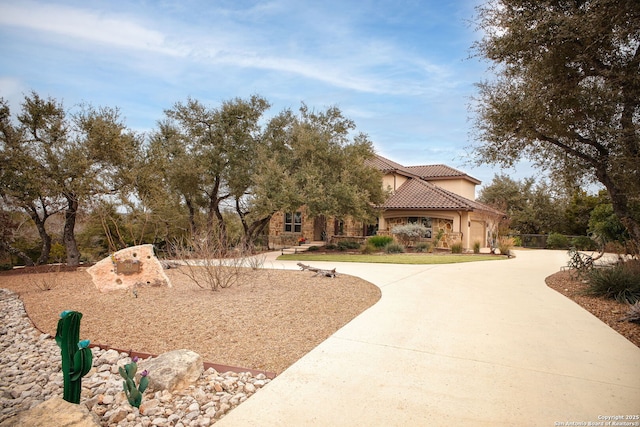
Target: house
438, 196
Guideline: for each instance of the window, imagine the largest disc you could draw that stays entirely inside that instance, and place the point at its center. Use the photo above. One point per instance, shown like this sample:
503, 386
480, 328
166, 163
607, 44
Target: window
426, 221
293, 222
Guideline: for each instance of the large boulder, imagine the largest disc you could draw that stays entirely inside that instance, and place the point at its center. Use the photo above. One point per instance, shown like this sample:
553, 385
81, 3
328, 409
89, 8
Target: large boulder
54, 412
173, 371
128, 268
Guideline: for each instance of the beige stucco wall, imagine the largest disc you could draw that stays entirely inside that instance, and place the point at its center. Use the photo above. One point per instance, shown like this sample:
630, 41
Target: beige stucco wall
391, 182
459, 186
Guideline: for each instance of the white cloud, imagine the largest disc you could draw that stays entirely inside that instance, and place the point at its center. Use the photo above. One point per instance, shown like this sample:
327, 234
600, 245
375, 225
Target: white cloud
323, 49
84, 26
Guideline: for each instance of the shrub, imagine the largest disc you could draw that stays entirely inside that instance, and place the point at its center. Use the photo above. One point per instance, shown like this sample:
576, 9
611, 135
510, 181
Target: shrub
633, 315
583, 243
202, 260
394, 248
557, 241
330, 246
476, 247
505, 244
48, 280
58, 252
368, 249
312, 248
436, 239
348, 244
423, 247
380, 241
517, 241
456, 248
620, 281
408, 232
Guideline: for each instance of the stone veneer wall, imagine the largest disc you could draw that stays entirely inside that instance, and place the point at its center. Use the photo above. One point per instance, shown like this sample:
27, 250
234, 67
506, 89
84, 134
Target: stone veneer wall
279, 238
450, 237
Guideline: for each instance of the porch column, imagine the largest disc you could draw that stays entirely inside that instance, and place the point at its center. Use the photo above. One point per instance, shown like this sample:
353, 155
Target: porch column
465, 229
382, 225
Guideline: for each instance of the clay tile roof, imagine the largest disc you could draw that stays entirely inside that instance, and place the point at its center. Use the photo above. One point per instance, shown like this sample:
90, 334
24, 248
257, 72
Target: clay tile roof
419, 194
426, 172
384, 164
439, 171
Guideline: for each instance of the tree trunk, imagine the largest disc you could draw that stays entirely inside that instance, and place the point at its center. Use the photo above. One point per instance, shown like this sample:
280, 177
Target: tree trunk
42, 231
256, 228
192, 216
620, 204
220, 233
17, 252
68, 236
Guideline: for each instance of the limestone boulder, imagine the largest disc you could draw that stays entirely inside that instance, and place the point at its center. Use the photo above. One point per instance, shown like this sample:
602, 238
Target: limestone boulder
54, 412
173, 371
129, 268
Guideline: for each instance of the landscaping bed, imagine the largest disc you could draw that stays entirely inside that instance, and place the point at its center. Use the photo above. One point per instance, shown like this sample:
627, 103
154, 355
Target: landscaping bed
266, 321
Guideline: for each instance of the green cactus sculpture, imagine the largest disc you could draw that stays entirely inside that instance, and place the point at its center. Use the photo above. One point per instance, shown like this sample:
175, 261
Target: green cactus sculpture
76, 355
134, 395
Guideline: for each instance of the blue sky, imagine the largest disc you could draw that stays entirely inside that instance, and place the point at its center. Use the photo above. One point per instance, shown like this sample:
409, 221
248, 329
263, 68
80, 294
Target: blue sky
399, 68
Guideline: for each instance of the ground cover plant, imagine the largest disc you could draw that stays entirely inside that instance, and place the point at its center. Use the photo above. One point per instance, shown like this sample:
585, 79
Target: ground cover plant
394, 248
620, 281
379, 241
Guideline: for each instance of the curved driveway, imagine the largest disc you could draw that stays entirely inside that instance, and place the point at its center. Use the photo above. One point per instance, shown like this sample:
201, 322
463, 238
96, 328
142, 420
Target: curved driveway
478, 344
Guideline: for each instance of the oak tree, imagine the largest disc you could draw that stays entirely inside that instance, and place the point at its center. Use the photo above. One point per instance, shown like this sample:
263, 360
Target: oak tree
566, 93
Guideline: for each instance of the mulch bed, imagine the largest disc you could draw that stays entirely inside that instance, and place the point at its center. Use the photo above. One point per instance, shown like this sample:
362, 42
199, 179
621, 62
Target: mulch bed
609, 311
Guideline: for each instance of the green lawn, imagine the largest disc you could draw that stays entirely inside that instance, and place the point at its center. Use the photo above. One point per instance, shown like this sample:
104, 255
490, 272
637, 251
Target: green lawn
390, 259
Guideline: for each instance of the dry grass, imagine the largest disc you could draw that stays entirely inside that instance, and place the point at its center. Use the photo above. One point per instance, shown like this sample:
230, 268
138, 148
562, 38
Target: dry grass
266, 321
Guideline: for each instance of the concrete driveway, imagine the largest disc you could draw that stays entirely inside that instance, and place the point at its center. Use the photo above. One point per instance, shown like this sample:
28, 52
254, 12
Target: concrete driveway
478, 344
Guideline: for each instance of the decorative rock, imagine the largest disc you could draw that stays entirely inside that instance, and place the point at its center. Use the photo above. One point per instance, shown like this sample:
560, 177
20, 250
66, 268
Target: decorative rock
118, 416
110, 357
107, 399
173, 371
128, 268
54, 412
150, 407
31, 378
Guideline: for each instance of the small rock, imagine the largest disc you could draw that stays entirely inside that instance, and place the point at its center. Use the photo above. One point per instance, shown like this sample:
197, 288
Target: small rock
109, 357
106, 399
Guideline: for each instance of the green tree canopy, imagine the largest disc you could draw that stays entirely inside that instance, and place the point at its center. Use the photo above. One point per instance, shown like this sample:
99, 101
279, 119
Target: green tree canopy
312, 159
56, 161
532, 208
206, 154
566, 94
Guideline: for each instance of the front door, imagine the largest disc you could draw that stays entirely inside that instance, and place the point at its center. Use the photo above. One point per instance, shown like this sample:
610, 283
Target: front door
319, 227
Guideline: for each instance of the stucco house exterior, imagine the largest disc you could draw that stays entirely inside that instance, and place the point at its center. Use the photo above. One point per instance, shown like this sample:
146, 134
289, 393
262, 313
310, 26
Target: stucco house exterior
438, 196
